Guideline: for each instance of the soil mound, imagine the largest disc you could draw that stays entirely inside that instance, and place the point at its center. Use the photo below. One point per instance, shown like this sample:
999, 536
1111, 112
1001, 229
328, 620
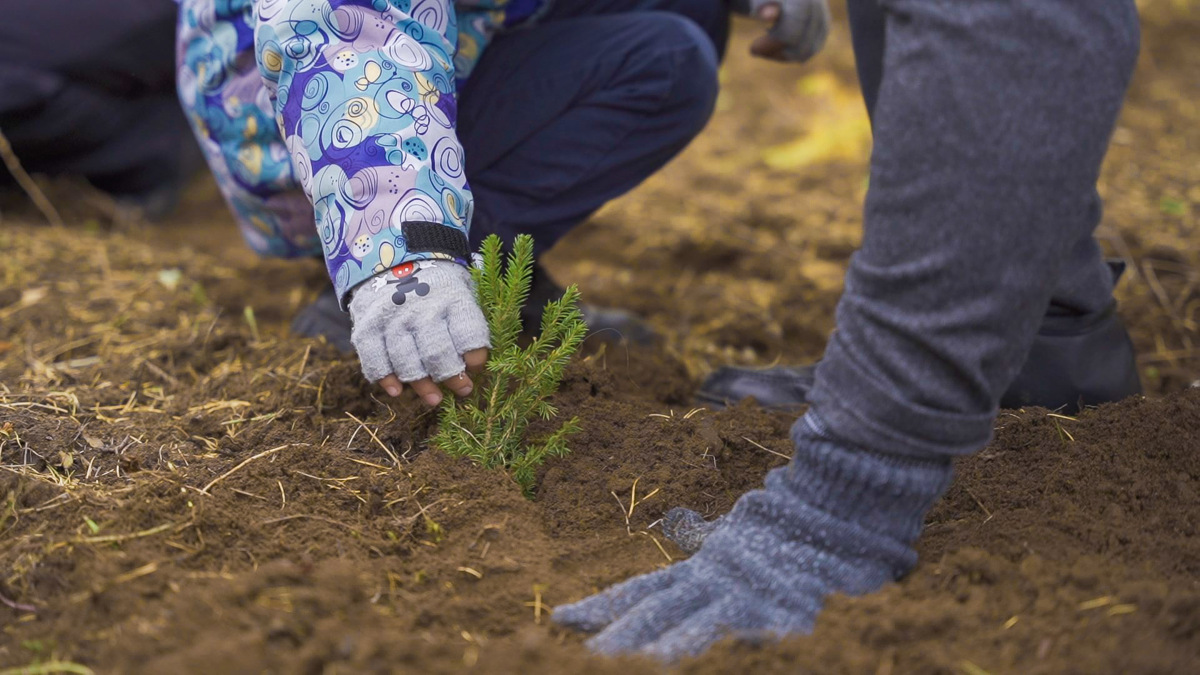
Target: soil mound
1069, 544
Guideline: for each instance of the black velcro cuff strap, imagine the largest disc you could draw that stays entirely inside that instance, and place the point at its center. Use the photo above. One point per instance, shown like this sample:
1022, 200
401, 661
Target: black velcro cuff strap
423, 237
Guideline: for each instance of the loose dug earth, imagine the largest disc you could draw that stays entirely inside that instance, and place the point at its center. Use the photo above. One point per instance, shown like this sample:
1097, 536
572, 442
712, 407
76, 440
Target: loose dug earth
1068, 545
185, 488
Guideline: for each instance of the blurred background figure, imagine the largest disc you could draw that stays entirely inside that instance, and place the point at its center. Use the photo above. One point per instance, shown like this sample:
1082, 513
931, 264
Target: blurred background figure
88, 89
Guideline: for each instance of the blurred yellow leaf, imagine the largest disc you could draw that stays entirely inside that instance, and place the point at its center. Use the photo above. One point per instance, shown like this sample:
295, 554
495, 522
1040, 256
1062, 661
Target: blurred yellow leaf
840, 129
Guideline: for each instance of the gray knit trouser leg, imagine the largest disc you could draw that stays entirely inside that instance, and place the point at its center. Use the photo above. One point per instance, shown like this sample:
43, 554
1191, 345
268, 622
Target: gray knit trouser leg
992, 119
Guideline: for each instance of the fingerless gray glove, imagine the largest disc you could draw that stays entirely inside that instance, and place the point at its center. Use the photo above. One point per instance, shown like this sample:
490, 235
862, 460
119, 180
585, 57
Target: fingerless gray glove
417, 320
803, 24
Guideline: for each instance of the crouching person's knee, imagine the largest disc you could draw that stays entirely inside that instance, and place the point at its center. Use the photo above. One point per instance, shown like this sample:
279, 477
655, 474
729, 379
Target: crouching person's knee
689, 58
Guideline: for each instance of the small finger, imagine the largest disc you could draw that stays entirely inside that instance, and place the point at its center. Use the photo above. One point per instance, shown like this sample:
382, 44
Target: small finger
471, 336
768, 47
372, 354
404, 357
460, 384
475, 359
769, 12
428, 391
439, 356
392, 385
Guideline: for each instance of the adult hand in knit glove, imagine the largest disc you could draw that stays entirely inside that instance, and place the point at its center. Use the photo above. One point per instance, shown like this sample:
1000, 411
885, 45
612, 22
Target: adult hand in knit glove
798, 27
837, 519
419, 323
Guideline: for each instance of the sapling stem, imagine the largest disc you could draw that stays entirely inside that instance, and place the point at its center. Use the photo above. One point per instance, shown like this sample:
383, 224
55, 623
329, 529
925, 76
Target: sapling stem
491, 427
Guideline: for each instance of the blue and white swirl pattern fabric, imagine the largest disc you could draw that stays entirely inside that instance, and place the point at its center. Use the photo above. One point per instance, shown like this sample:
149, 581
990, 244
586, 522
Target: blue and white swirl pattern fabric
342, 110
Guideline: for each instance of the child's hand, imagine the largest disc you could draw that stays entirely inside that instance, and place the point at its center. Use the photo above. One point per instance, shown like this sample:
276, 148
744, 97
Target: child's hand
798, 27
419, 323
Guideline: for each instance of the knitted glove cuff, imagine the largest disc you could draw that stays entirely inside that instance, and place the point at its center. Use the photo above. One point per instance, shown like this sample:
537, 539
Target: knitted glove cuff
888, 494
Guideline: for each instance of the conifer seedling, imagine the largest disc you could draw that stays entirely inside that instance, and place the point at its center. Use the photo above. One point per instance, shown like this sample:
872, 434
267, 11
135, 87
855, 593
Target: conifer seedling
492, 425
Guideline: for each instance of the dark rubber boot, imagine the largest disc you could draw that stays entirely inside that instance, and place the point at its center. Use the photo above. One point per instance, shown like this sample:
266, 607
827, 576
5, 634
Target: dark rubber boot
779, 388
611, 325
325, 317
1076, 362
1080, 360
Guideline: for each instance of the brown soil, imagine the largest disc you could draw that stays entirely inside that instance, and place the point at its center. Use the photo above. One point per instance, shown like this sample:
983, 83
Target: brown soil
1069, 544
185, 490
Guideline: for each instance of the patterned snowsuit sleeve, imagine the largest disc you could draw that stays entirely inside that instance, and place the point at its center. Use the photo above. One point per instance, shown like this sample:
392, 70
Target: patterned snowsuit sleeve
352, 102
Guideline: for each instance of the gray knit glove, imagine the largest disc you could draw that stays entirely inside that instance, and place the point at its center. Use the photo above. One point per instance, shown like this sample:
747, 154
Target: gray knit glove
837, 519
417, 320
802, 27
687, 529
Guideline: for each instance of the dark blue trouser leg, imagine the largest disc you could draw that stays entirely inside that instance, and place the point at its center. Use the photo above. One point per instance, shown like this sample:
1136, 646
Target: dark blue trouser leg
991, 119
712, 16
88, 89
560, 118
